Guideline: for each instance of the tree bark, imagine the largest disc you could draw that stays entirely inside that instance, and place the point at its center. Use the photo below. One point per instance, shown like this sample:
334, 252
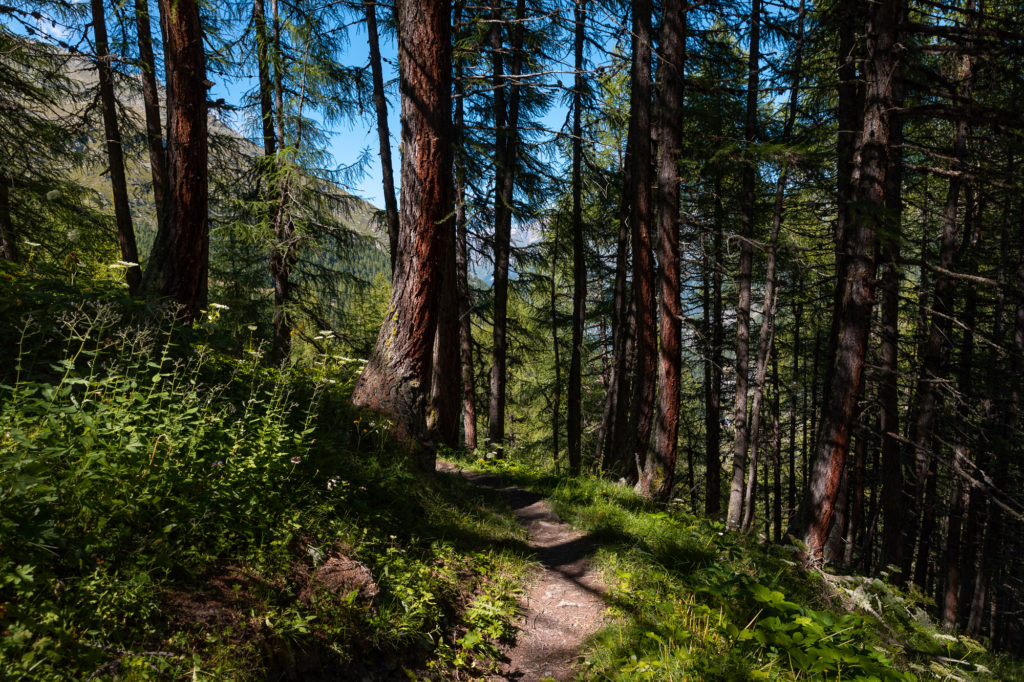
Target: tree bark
934, 366
857, 280
462, 264
282, 257
115, 152
894, 506
151, 108
579, 263
713, 375
556, 404
506, 124
741, 441
641, 413
659, 467
397, 379
8, 238
380, 105
179, 263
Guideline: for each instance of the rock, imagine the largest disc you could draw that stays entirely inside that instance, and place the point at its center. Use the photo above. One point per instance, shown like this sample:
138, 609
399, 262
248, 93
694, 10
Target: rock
339, 576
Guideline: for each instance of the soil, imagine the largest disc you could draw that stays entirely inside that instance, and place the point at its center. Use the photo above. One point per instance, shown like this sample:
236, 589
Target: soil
564, 600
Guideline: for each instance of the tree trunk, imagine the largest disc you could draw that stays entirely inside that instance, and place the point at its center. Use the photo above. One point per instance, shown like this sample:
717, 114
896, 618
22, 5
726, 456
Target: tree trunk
506, 124
263, 69
894, 506
380, 105
855, 302
556, 408
151, 107
794, 389
776, 455
767, 332
742, 437
115, 152
641, 411
713, 390
934, 365
658, 472
398, 376
282, 257
949, 600
462, 263
579, 262
8, 238
179, 264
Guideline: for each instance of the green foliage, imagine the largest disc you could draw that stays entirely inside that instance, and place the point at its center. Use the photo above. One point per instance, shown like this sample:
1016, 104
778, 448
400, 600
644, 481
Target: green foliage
164, 507
691, 601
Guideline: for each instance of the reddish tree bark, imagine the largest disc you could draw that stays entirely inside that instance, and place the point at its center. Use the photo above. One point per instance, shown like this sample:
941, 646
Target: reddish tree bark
659, 467
179, 263
857, 280
398, 376
641, 413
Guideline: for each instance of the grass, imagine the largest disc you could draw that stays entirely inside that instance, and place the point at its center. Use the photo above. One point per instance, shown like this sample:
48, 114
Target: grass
691, 601
169, 509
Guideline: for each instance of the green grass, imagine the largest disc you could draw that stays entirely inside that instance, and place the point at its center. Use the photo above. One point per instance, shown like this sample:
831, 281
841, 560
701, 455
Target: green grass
164, 506
691, 601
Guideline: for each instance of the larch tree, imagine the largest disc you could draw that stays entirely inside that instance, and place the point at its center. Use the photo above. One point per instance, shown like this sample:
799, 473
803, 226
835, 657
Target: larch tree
579, 263
115, 150
856, 280
397, 381
658, 471
741, 442
179, 262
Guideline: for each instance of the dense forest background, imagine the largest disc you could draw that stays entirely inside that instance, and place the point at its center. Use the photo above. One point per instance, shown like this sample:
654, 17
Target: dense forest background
769, 270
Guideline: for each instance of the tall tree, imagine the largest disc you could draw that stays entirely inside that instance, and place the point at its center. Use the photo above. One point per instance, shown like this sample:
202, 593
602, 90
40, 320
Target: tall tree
462, 256
115, 151
856, 280
506, 124
641, 411
579, 262
398, 377
380, 105
151, 108
658, 472
179, 262
741, 440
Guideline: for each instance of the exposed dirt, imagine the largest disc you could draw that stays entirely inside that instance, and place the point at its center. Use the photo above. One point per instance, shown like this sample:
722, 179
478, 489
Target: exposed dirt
563, 604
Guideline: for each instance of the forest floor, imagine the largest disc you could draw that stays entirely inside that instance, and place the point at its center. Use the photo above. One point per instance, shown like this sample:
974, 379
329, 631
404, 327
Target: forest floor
564, 602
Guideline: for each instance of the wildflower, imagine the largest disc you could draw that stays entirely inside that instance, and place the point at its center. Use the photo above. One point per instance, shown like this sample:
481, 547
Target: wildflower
296, 459
218, 306
251, 327
123, 264
218, 464
32, 243
331, 483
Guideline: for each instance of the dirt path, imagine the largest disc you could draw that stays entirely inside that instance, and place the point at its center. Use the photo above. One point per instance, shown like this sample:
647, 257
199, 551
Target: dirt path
563, 604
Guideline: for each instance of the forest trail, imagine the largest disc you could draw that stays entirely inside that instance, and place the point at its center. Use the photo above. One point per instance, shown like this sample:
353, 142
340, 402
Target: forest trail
564, 600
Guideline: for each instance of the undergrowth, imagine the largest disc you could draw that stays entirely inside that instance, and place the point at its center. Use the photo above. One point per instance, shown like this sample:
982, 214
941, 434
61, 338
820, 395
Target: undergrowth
165, 506
691, 601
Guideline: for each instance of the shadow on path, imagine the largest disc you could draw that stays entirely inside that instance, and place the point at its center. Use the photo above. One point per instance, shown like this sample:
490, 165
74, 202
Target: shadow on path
564, 601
